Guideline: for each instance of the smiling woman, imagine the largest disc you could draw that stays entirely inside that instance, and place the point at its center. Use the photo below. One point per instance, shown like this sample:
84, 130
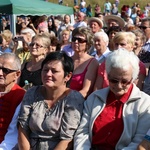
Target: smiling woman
31, 71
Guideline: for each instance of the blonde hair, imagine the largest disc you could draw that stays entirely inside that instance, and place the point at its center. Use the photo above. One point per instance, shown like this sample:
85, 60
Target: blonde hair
129, 37
7, 35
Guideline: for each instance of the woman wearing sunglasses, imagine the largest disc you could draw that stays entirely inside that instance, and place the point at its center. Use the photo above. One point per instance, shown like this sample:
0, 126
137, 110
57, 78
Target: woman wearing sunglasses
85, 70
31, 71
113, 117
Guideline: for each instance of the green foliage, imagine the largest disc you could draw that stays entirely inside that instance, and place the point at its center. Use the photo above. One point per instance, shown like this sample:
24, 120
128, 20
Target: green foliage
70, 3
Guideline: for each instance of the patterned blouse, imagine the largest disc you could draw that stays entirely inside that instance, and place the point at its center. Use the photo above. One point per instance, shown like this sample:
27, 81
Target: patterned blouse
47, 127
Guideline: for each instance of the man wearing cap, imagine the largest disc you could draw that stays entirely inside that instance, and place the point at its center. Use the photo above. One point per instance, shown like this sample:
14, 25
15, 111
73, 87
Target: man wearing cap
95, 24
114, 20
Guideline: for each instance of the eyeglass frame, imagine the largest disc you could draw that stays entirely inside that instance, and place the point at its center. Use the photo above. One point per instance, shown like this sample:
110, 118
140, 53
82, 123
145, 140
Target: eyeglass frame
116, 81
80, 40
36, 44
143, 27
7, 70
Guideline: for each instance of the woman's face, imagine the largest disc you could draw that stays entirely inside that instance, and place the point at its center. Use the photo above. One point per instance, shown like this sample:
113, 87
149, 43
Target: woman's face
37, 48
120, 80
67, 19
112, 34
123, 44
138, 42
53, 74
65, 36
79, 43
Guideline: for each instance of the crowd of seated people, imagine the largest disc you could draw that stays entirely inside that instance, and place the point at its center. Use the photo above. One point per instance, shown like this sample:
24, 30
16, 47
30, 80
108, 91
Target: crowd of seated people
72, 75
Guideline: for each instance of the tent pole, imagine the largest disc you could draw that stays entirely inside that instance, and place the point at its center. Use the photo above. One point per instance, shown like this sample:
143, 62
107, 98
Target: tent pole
13, 24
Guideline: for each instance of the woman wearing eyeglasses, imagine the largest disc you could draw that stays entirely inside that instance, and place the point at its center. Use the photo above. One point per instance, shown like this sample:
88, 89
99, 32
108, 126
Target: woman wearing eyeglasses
31, 71
85, 70
116, 117
121, 40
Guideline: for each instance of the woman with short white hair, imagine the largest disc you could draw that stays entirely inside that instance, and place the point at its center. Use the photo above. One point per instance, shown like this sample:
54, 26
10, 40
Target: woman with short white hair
113, 117
101, 41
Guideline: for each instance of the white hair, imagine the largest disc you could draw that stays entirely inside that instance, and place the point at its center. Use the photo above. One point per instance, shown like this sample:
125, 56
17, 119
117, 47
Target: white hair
121, 59
102, 35
28, 30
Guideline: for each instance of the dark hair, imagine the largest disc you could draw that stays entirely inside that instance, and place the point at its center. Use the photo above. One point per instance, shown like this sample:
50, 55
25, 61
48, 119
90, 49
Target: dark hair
67, 62
113, 29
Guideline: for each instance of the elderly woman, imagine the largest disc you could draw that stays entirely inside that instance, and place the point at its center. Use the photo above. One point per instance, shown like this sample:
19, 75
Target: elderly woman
50, 113
113, 117
101, 41
31, 71
121, 40
82, 79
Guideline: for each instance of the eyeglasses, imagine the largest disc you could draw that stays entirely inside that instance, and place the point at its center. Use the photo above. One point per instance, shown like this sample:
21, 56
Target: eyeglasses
6, 70
36, 44
80, 40
143, 27
123, 82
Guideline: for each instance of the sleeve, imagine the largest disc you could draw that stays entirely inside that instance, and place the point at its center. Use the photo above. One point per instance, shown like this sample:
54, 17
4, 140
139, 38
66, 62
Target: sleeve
82, 137
11, 137
146, 87
142, 68
72, 115
26, 108
143, 123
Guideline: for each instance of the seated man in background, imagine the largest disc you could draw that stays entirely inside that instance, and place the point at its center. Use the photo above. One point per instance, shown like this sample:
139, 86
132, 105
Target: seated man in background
10, 93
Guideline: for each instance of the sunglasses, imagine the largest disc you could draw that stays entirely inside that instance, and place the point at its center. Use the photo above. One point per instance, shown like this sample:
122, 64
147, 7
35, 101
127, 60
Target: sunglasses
80, 40
143, 27
6, 70
123, 82
36, 44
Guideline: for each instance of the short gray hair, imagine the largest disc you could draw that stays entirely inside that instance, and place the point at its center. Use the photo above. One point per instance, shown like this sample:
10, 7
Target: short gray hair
102, 35
16, 61
121, 59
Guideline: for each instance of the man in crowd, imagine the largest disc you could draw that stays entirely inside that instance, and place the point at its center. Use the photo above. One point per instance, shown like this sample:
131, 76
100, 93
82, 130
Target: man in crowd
10, 93
145, 26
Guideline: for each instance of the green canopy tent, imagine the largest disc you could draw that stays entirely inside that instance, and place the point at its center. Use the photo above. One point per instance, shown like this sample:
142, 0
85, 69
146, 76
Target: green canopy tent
31, 7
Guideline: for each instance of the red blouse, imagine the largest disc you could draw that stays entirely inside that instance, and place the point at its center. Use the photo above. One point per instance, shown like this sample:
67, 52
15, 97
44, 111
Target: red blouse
108, 126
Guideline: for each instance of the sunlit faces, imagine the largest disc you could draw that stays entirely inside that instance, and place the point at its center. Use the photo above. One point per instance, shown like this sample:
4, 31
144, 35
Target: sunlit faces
4, 44
95, 27
123, 80
145, 26
37, 48
79, 43
9, 77
100, 44
65, 36
67, 19
138, 42
53, 75
123, 44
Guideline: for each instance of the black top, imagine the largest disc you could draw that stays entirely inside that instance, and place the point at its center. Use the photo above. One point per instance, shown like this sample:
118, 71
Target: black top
33, 77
